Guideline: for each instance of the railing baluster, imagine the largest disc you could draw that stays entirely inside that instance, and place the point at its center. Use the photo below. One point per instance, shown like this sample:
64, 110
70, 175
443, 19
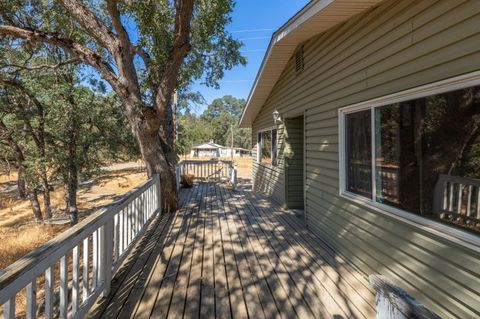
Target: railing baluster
138, 213
86, 268
102, 251
478, 202
450, 196
63, 287
139, 218
469, 200
121, 238
94, 259
143, 214
115, 236
159, 196
445, 197
459, 200
75, 278
49, 292
32, 299
9, 309
130, 223
134, 219
147, 206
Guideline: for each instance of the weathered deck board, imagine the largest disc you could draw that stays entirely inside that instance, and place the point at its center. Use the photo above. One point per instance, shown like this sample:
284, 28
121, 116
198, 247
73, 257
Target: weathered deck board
229, 253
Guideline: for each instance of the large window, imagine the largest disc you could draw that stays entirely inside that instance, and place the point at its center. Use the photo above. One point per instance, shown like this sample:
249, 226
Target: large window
267, 146
421, 155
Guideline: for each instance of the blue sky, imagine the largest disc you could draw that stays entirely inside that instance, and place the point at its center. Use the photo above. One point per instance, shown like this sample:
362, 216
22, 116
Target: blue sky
253, 23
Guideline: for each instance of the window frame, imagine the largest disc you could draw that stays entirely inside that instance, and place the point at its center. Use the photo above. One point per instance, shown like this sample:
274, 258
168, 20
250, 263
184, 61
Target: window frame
273, 146
459, 236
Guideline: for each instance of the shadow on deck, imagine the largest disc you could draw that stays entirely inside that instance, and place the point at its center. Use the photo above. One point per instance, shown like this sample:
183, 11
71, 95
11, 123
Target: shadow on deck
234, 254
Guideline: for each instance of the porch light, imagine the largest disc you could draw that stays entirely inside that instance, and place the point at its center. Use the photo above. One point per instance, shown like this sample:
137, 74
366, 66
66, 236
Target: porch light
276, 117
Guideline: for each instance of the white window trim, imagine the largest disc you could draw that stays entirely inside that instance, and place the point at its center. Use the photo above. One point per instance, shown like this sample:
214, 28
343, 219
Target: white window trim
259, 147
450, 233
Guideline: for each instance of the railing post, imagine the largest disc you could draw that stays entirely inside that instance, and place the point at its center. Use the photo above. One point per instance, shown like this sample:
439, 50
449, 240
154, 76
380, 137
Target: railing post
233, 173
159, 192
439, 195
106, 256
392, 302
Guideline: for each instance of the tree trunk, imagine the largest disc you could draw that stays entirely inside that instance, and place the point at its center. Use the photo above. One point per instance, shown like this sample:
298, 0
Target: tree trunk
71, 186
46, 196
22, 191
159, 161
71, 182
33, 197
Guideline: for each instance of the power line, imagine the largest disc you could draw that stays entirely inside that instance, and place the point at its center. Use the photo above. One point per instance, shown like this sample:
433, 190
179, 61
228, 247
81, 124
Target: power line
235, 81
252, 50
254, 38
251, 30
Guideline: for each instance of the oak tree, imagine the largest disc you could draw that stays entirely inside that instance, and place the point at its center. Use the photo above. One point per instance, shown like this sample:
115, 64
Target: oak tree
145, 50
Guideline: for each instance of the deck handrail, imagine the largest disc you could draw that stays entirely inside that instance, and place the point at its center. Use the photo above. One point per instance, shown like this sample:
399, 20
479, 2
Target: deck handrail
104, 240
457, 196
207, 170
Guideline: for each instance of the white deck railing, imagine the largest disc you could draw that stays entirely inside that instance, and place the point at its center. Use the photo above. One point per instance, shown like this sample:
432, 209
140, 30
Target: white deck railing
208, 170
76, 267
457, 196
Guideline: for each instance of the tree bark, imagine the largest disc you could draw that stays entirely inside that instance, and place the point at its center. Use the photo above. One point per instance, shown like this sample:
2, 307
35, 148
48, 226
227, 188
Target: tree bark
158, 160
33, 197
46, 196
22, 191
71, 182
71, 186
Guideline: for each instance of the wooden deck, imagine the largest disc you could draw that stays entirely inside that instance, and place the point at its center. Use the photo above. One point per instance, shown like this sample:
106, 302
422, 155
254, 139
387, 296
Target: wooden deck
234, 254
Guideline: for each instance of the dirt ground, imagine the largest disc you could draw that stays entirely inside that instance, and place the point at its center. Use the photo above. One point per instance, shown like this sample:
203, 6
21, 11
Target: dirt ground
19, 233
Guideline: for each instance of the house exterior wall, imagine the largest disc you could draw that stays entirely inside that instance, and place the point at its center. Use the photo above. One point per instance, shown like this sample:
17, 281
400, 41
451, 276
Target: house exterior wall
294, 162
396, 46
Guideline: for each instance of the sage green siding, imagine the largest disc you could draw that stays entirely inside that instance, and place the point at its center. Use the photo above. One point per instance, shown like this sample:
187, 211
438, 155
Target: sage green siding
393, 47
294, 162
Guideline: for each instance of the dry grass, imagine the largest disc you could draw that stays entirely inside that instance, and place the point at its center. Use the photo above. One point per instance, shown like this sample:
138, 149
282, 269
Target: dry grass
19, 233
18, 243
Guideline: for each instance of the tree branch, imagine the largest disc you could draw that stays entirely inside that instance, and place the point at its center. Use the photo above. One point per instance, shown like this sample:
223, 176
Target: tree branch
143, 54
124, 52
181, 46
117, 24
43, 66
90, 22
82, 53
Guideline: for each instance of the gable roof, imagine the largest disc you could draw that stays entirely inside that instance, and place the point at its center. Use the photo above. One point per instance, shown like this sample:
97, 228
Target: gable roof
209, 145
316, 17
